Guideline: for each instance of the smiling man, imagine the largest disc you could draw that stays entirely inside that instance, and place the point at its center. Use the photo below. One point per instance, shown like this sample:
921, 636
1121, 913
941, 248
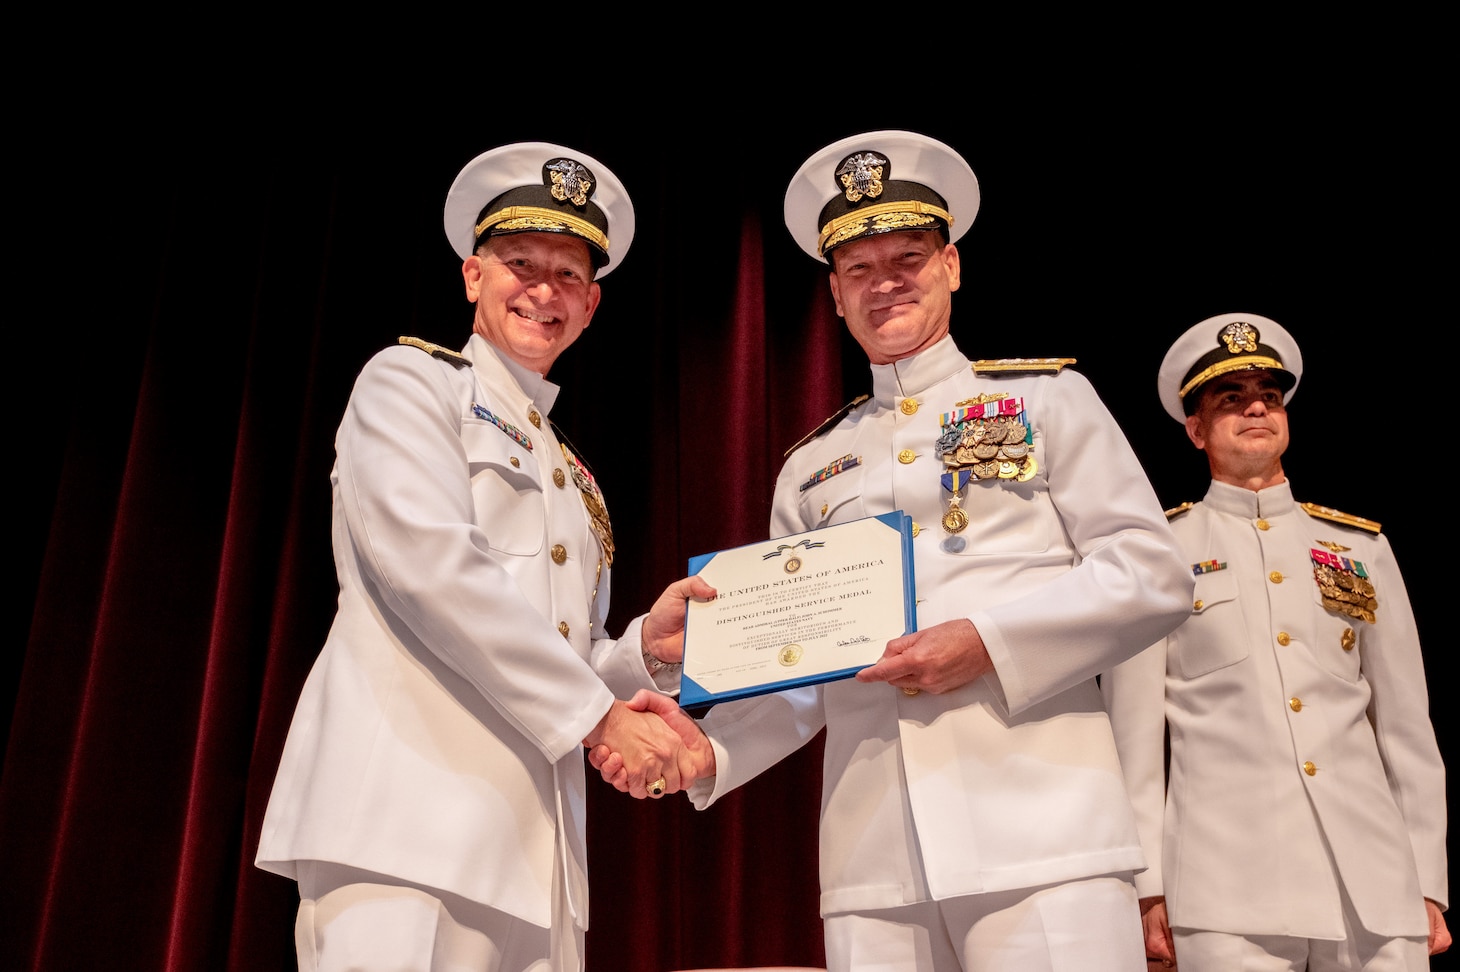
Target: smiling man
1302, 825
430, 800
974, 815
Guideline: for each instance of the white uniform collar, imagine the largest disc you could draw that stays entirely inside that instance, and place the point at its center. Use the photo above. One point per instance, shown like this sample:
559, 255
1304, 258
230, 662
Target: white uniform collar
912, 376
493, 364
1249, 504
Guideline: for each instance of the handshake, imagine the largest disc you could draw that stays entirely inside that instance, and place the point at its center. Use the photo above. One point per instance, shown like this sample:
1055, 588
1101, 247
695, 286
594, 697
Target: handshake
649, 746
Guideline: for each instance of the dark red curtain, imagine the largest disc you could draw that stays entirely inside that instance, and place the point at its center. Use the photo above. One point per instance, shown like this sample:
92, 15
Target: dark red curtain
211, 293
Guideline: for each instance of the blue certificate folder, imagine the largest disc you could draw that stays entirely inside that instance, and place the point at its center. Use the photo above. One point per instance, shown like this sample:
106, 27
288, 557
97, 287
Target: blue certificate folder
799, 610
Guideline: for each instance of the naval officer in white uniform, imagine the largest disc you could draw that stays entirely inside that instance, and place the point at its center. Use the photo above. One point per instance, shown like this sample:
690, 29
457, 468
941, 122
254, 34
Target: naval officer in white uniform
430, 799
973, 812
1303, 822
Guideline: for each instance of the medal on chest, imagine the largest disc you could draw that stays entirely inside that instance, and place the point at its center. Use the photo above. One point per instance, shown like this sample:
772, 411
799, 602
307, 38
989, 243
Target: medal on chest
1344, 585
592, 500
983, 439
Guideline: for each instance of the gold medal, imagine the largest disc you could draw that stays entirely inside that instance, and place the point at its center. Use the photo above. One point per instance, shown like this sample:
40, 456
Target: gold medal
955, 520
1346, 593
986, 450
592, 502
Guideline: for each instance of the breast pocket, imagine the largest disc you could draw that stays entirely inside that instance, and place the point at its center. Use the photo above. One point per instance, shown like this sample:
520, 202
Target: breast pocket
1215, 635
1010, 516
1338, 638
835, 500
505, 489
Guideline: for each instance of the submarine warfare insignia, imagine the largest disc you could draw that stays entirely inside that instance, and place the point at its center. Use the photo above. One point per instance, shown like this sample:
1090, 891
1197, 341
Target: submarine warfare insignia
593, 500
984, 438
1344, 585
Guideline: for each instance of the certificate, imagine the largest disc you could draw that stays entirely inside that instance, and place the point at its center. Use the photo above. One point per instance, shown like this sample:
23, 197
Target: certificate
803, 609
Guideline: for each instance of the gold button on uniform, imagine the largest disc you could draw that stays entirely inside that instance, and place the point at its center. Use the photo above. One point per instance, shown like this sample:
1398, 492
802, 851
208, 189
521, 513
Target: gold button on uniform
534, 418
906, 456
1296, 704
823, 509
563, 628
1346, 640
515, 463
559, 553
911, 691
1309, 768
558, 478
1262, 524
1283, 638
909, 406
1276, 577
1197, 605
916, 529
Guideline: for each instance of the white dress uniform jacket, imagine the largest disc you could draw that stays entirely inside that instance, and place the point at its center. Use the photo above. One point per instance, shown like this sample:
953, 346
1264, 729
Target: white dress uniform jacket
1302, 753
439, 735
1011, 781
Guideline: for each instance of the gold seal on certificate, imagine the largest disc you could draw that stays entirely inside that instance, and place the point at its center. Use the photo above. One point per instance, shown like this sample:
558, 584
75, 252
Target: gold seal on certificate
798, 610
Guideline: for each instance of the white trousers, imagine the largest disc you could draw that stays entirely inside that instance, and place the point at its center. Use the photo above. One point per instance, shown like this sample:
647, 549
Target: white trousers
1360, 950
357, 921
1204, 951
1091, 925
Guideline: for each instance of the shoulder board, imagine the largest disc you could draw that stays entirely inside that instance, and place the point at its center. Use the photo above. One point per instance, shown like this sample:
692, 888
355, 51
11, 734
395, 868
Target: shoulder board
1176, 511
435, 350
824, 426
1015, 366
1347, 519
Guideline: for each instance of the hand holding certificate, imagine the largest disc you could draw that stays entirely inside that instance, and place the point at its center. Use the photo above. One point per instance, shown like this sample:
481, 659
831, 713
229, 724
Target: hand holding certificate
803, 609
